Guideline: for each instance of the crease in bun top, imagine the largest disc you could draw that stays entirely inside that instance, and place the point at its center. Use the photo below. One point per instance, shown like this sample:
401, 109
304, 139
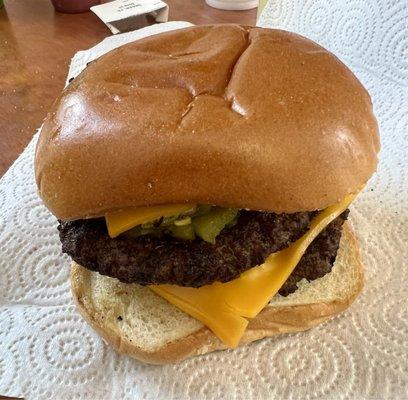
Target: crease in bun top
214, 163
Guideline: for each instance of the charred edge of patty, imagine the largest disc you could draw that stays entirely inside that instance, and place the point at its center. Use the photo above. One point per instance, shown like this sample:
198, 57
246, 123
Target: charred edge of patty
156, 260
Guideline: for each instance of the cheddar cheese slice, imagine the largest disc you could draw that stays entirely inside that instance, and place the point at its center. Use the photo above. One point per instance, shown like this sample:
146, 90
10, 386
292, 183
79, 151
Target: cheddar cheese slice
123, 220
222, 307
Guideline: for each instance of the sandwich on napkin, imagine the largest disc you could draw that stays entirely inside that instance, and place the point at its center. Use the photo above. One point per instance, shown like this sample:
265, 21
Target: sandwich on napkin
202, 179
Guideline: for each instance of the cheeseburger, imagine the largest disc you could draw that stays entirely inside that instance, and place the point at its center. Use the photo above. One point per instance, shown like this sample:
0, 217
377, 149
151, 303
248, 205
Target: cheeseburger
201, 179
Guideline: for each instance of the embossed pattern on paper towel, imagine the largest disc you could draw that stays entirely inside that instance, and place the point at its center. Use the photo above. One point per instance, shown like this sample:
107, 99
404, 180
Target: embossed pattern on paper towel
47, 351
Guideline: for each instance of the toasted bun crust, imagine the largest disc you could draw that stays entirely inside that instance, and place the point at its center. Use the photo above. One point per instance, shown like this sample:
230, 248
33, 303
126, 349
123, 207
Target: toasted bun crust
224, 114
154, 331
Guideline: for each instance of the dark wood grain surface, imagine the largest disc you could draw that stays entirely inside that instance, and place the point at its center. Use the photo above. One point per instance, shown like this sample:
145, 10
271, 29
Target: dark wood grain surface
36, 46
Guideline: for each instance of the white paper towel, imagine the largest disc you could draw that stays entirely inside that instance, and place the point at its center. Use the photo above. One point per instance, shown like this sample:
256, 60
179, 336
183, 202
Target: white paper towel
48, 351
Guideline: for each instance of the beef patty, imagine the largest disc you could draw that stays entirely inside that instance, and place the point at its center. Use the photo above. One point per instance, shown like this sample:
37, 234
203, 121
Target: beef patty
155, 260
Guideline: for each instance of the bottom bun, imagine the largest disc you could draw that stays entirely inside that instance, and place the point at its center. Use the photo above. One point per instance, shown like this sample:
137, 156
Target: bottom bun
142, 325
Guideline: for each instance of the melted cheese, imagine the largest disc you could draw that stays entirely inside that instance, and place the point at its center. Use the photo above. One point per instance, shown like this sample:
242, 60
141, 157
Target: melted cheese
123, 220
222, 307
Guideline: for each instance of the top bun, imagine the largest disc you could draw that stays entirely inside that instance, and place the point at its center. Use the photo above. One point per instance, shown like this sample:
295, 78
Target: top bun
228, 115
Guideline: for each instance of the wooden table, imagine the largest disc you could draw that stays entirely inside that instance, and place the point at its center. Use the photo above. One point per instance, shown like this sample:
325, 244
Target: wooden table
36, 45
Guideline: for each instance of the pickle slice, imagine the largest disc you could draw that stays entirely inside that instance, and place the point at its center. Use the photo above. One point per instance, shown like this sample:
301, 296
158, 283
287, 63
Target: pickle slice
207, 222
185, 232
208, 226
141, 231
203, 209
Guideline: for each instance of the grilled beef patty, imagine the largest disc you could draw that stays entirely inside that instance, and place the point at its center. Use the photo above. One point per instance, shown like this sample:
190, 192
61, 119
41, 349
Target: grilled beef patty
155, 260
